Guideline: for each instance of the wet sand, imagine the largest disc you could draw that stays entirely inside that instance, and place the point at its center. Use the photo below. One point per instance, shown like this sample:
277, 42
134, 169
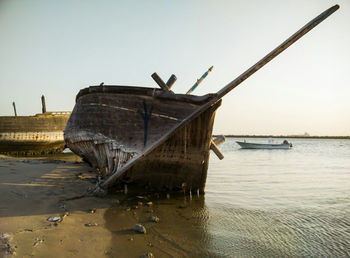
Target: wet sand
32, 190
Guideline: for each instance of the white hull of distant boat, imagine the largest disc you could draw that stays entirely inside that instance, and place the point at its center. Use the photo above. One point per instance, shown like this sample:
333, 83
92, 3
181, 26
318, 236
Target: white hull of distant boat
249, 145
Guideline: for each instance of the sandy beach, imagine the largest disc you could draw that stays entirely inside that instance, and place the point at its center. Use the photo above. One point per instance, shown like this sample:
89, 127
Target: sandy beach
34, 190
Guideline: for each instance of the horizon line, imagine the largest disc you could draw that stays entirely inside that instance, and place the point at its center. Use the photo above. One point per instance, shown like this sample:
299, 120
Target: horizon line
285, 136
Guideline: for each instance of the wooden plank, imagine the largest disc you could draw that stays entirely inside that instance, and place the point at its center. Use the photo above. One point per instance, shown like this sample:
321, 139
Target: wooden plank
160, 82
14, 108
43, 104
171, 81
216, 150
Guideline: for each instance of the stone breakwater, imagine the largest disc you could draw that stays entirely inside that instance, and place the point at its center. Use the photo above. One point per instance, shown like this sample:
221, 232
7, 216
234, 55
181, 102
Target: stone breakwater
31, 135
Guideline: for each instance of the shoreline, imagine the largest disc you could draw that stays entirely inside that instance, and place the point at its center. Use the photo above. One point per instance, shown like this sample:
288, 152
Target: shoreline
35, 189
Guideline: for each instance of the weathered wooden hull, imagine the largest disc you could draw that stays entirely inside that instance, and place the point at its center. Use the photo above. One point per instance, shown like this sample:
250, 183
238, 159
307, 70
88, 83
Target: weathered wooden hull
111, 125
181, 162
32, 135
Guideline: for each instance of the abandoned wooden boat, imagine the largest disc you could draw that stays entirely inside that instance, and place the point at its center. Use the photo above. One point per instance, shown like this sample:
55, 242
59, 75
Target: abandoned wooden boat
33, 135
112, 124
250, 145
153, 137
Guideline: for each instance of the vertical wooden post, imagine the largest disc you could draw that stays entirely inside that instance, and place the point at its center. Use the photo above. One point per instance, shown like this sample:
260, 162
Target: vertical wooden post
14, 108
43, 104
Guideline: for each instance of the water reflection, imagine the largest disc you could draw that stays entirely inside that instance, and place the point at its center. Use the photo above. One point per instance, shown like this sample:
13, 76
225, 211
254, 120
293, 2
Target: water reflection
238, 232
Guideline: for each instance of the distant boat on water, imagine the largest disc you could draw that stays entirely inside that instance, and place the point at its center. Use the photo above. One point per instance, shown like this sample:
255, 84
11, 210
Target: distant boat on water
249, 145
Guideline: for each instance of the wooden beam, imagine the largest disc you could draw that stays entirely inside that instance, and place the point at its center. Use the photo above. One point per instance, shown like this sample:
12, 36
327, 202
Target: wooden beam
43, 104
14, 108
160, 82
216, 150
171, 81
283, 46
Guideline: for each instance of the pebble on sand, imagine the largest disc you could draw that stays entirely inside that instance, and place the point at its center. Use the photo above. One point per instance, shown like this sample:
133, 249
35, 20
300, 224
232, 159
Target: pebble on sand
147, 255
5, 247
92, 210
91, 224
54, 219
155, 219
139, 228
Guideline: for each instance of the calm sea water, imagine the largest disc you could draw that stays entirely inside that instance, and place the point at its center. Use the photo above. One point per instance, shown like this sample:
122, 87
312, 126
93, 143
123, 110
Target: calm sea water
278, 203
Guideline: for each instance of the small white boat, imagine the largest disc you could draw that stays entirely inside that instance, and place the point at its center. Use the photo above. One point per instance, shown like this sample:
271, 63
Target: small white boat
249, 145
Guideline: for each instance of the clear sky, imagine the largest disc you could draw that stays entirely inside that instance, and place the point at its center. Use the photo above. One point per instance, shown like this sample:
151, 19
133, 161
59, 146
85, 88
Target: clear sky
56, 48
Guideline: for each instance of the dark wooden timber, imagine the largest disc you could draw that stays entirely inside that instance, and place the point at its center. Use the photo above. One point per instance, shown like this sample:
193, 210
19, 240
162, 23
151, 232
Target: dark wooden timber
214, 146
171, 81
305, 29
160, 82
14, 108
43, 104
216, 150
107, 128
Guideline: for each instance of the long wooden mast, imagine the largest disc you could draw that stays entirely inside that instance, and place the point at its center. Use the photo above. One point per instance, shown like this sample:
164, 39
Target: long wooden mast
305, 29
297, 35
